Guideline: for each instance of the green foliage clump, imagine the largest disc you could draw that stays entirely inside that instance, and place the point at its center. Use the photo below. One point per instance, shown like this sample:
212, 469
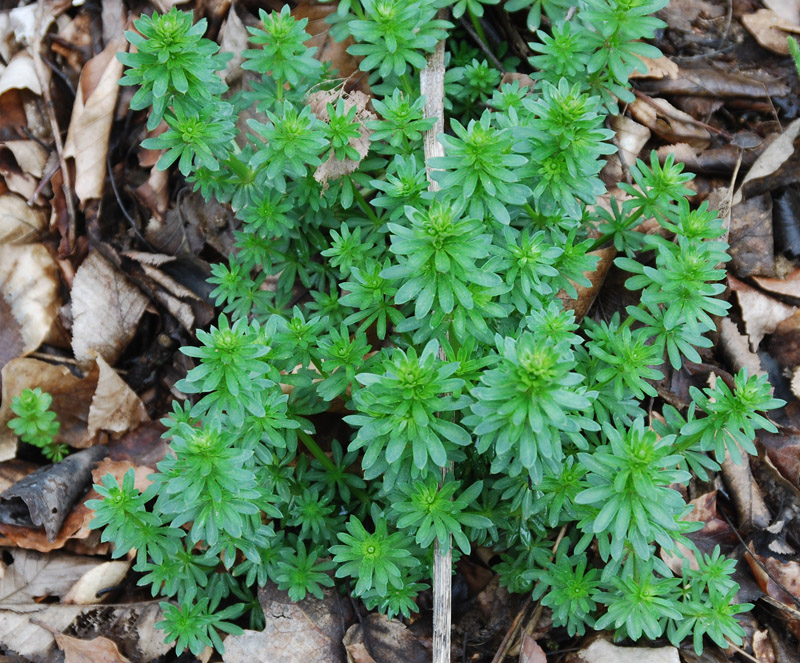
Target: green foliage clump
36, 423
481, 409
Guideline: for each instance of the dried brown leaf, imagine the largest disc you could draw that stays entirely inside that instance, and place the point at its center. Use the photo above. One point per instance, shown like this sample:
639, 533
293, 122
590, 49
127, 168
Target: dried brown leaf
587, 295
602, 651
386, 640
29, 283
751, 242
30, 575
769, 30
92, 116
101, 576
106, 308
19, 222
531, 652
760, 312
328, 49
310, 630
115, 408
771, 159
670, 123
98, 650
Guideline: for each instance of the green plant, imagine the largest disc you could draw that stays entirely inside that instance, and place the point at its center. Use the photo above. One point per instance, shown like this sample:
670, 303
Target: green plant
36, 424
480, 408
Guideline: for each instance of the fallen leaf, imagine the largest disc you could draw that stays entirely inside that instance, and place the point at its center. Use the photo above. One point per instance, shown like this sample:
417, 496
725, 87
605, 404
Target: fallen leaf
29, 283
780, 580
602, 651
92, 116
631, 137
11, 342
45, 498
19, 222
669, 123
101, 576
310, 630
761, 314
20, 74
115, 407
28, 575
769, 30
386, 640
106, 308
751, 245
661, 67
131, 625
531, 652
587, 295
708, 82
762, 647
234, 39
788, 285
98, 650
771, 159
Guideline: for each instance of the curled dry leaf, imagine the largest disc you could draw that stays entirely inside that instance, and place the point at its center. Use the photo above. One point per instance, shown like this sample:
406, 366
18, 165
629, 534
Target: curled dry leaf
234, 39
707, 82
333, 168
19, 222
669, 123
761, 313
92, 116
101, 576
20, 74
106, 308
531, 652
771, 159
661, 67
45, 498
29, 284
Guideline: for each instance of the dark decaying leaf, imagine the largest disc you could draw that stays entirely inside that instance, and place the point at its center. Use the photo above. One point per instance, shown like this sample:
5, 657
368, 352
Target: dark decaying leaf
386, 640
750, 237
45, 498
786, 221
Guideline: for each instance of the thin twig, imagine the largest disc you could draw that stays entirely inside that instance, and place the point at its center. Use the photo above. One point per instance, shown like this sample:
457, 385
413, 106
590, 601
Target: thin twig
481, 44
431, 81
46, 13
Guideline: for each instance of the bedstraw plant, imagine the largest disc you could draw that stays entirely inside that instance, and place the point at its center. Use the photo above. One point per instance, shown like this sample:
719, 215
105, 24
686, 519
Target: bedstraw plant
442, 323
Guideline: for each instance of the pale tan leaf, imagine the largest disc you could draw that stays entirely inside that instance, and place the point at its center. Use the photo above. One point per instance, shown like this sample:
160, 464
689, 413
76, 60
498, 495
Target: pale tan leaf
98, 650
234, 39
32, 575
30, 155
100, 576
602, 651
115, 407
770, 30
786, 9
661, 67
131, 625
106, 308
20, 74
789, 285
92, 116
29, 283
19, 222
761, 314
531, 652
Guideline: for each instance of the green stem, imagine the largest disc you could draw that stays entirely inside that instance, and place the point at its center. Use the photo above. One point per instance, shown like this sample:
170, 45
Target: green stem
365, 207
478, 27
